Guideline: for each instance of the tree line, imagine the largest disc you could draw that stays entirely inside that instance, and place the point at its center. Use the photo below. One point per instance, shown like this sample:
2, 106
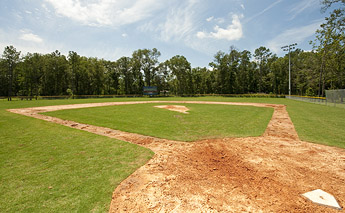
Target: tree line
232, 72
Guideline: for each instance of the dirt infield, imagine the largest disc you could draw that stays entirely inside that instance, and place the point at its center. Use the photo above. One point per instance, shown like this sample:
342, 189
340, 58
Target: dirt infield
253, 174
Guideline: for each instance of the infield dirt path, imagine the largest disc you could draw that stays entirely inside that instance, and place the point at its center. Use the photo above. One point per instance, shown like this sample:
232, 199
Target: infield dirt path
253, 174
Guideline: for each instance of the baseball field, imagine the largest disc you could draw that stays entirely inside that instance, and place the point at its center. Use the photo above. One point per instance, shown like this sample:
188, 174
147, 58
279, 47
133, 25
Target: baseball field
206, 154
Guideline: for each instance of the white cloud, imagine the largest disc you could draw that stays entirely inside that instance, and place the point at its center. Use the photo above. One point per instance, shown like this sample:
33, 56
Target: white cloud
302, 6
106, 12
44, 6
201, 35
180, 22
209, 19
179, 25
264, 10
232, 32
220, 20
10, 37
31, 37
294, 35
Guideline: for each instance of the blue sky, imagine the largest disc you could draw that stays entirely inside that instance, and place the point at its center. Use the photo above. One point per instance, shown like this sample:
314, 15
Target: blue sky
196, 29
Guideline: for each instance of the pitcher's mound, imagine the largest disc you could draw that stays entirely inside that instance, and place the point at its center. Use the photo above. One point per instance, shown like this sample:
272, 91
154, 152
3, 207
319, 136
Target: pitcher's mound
176, 108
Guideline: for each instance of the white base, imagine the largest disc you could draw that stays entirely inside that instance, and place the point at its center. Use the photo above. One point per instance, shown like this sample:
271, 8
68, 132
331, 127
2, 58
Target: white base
323, 198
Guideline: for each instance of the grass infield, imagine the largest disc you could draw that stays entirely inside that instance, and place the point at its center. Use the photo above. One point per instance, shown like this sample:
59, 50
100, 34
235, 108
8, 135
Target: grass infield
203, 121
46, 167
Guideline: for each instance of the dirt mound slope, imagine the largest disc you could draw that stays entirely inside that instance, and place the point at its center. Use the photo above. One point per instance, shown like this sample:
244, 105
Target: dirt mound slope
176, 108
254, 174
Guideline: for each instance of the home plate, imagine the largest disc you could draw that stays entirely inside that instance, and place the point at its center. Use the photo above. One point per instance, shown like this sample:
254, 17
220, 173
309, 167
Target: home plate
322, 198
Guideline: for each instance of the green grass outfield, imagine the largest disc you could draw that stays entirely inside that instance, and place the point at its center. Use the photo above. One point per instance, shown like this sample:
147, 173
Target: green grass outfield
46, 167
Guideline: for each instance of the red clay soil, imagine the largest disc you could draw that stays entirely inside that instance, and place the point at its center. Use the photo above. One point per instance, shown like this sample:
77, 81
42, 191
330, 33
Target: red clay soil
254, 174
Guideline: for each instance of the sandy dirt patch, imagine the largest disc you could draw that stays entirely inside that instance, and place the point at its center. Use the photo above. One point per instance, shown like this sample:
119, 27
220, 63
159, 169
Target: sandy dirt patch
176, 108
254, 174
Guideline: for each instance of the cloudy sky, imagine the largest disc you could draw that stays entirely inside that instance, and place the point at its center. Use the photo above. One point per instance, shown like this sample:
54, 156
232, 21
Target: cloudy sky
197, 29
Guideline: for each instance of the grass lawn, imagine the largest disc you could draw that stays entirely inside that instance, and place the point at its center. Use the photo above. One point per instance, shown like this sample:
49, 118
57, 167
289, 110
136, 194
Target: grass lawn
45, 167
313, 122
318, 123
203, 120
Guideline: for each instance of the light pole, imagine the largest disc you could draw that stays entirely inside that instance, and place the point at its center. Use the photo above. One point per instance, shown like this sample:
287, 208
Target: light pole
288, 48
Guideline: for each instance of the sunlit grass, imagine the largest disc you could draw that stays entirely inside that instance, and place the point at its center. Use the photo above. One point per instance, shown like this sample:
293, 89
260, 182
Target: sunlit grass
203, 120
46, 167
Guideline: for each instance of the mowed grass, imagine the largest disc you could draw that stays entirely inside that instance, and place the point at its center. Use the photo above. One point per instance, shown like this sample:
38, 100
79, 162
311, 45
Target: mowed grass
318, 123
313, 122
45, 167
203, 121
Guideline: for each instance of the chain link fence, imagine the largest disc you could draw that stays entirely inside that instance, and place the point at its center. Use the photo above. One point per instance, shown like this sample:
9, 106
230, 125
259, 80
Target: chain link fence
316, 100
334, 98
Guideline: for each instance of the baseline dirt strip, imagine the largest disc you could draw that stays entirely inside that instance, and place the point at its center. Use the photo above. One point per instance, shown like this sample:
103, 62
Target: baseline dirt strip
254, 174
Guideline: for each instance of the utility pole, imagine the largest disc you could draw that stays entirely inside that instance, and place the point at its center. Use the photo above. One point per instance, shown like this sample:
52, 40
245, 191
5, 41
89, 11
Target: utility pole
289, 48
